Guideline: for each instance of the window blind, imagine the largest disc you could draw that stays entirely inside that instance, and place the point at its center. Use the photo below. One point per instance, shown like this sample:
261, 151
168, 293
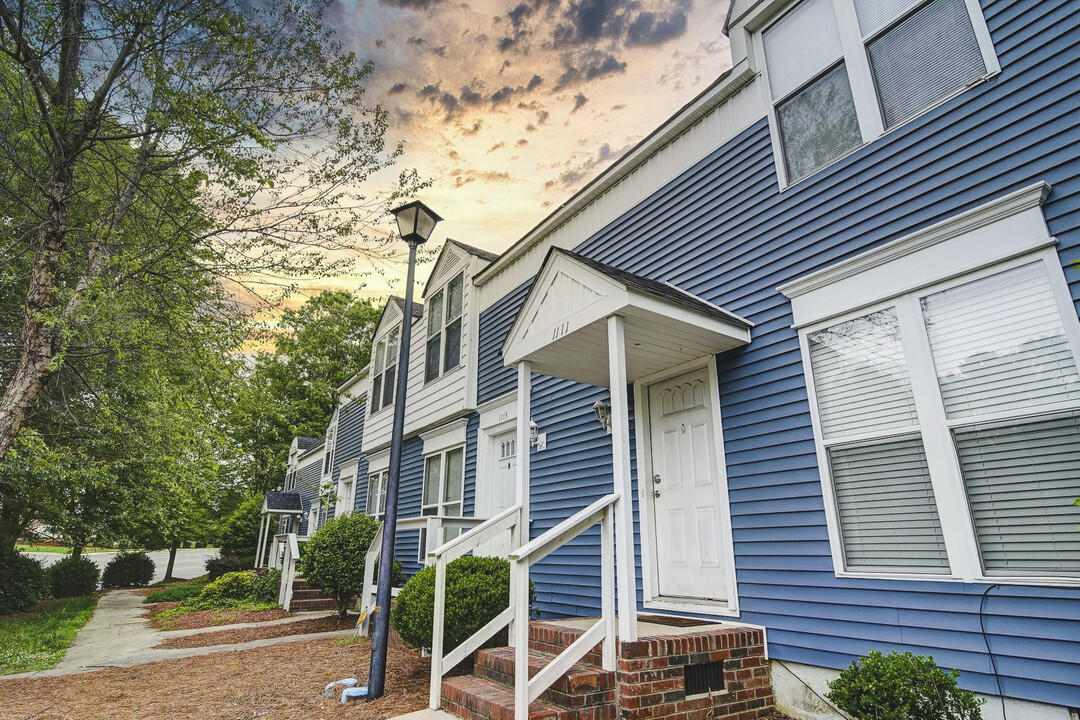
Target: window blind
802, 44
818, 124
999, 344
861, 377
875, 14
1022, 478
924, 58
885, 502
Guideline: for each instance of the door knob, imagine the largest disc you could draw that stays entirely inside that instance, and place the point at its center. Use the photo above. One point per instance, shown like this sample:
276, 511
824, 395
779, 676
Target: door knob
656, 478
656, 493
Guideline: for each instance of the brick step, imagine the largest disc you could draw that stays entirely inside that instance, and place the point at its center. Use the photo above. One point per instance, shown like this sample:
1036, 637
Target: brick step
299, 584
553, 638
307, 595
479, 698
583, 685
310, 605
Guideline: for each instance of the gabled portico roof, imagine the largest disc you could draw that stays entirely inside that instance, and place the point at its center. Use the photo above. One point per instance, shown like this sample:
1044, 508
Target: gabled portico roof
562, 326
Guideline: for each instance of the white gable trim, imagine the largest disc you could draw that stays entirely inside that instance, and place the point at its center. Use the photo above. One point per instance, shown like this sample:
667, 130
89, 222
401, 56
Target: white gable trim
999, 230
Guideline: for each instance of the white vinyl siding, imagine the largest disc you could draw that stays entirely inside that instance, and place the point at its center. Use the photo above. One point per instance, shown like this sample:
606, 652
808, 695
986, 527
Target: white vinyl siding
841, 73
950, 424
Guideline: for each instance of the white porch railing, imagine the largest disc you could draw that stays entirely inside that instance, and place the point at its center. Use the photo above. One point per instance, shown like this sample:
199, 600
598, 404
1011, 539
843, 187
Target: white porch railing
517, 614
284, 552
436, 527
488, 530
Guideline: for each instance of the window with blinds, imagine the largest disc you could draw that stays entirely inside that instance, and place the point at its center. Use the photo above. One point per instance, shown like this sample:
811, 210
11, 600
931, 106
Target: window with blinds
884, 498
985, 369
821, 55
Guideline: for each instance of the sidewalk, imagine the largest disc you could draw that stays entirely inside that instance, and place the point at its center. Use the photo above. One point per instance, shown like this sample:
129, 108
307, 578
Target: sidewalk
118, 636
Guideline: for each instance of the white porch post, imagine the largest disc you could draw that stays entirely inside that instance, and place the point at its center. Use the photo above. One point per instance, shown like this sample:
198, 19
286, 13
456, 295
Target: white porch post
520, 534
260, 547
624, 508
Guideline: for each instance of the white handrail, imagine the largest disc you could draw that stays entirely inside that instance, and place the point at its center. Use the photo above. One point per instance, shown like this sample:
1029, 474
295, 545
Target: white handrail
367, 596
527, 690
288, 570
443, 555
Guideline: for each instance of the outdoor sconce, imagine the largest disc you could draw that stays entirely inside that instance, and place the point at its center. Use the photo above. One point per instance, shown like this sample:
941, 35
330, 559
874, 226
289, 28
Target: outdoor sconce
537, 439
603, 414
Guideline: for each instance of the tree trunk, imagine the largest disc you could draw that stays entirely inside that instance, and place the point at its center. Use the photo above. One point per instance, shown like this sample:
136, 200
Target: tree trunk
76, 550
172, 559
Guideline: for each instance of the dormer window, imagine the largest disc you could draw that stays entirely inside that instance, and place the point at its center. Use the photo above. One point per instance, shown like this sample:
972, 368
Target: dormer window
443, 351
386, 357
843, 72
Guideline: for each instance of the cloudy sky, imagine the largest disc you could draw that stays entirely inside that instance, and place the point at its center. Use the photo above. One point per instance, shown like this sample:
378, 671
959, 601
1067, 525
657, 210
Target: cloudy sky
510, 106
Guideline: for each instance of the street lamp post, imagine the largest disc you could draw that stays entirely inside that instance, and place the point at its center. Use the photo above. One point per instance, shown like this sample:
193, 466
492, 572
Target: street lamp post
415, 223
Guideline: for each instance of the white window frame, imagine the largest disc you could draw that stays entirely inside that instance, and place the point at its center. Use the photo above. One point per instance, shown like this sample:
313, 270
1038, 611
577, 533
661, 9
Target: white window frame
444, 322
346, 500
314, 514
377, 478
329, 446
1009, 232
439, 506
378, 380
857, 62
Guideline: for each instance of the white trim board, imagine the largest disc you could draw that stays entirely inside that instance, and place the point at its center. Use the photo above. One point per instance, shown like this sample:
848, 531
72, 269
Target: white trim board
1003, 228
446, 436
652, 600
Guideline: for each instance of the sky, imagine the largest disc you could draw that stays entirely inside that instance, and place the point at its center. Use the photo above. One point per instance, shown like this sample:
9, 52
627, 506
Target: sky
511, 106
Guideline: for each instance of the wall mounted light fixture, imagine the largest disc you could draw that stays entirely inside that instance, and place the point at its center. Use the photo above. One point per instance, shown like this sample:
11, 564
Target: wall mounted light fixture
603, 414
537, 439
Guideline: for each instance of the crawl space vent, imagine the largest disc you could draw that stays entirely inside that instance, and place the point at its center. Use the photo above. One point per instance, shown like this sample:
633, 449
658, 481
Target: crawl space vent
704, 678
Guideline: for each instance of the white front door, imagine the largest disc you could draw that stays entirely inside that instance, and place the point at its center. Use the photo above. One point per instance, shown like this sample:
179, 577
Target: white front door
685, 489
499, 492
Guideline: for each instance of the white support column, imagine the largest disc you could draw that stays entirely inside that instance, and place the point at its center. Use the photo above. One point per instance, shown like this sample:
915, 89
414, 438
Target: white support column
520, 534
626, 574
260, 548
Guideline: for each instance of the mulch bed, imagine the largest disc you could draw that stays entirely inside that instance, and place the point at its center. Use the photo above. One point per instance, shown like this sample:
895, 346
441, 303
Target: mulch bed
280, 682
231, 637
207, 618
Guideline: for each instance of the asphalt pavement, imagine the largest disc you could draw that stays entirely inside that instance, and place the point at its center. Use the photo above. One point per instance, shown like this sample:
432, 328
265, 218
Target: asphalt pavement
189, 563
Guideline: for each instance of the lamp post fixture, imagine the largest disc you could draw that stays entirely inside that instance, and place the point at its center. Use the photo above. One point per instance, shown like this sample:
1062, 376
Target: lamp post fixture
415, 222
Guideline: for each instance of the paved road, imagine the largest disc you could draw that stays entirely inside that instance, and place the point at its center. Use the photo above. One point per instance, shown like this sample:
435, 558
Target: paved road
189, 563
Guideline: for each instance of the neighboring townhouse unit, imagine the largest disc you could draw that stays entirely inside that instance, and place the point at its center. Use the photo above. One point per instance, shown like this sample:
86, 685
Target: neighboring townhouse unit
809, 351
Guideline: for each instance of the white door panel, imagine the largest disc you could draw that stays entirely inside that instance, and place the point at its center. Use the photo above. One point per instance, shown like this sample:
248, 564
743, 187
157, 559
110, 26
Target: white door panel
685, 490
500, 492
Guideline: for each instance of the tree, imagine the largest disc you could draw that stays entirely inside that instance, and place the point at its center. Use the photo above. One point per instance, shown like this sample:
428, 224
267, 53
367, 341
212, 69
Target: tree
333, 560
141, 139
292, 389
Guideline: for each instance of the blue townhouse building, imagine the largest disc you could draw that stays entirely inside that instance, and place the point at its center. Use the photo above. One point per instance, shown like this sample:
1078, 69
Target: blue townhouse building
811, 349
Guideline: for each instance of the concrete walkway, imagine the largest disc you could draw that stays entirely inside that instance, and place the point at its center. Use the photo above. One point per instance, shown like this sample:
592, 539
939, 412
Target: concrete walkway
118, 636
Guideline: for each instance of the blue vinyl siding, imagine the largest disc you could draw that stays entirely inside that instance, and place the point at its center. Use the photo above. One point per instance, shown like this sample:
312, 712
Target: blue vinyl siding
349, 440
307, 482
723, 230
472, 431
410, 490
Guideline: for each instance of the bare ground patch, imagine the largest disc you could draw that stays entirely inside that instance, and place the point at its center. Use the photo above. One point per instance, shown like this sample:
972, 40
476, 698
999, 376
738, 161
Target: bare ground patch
280, 682
329, 623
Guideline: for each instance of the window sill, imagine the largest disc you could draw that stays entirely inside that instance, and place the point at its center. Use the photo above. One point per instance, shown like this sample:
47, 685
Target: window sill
1060, 582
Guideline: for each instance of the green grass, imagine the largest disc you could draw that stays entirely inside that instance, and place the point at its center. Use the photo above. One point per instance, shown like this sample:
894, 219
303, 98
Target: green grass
175, 593
60, 549
37, 639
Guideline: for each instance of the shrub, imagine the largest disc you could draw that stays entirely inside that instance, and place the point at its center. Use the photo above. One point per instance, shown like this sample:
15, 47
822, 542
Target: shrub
240, 533
128, 569
901, 686
22, 582
477, 590
218, 566
73, 577
174, 594
230, 586
334, 558
265, 587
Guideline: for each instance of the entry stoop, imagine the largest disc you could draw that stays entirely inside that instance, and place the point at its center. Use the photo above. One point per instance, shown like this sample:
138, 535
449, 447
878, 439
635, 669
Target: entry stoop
709, 672
307, 600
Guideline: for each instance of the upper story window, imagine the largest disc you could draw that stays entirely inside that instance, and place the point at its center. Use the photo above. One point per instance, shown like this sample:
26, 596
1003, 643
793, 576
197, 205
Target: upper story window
843, 72
383, 385
328, 449
443, 351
